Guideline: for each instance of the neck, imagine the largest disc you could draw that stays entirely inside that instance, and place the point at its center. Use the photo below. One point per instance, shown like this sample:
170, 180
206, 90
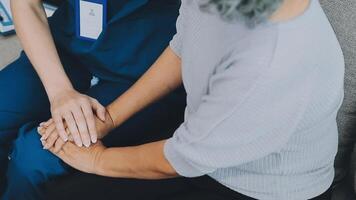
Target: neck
290, 9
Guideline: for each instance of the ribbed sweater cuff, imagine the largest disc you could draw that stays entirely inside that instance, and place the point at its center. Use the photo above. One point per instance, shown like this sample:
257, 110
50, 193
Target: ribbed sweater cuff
182, 166
175, 46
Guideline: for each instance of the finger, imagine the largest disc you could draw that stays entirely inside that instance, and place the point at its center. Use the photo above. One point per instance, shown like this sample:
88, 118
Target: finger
48, 131
89, 117
70, 137
58, 120
82, 126
58, 145
51, 140
41, 130
100, 110
72, 126
70, 147
47, 123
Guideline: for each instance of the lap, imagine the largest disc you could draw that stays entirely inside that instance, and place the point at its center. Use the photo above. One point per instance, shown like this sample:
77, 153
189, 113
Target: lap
154, 123
91, 187
23, 97
85, 186
22, 94
145, 126
28, 156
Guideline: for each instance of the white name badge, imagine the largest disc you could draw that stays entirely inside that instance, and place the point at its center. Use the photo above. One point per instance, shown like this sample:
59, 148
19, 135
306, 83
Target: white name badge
90, 18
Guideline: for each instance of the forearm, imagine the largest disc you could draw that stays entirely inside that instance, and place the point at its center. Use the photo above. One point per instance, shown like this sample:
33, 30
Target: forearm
34, 33
163, 77
143, 162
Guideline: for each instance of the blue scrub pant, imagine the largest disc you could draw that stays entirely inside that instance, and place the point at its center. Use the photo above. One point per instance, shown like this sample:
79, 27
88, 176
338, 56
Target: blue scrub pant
24, 104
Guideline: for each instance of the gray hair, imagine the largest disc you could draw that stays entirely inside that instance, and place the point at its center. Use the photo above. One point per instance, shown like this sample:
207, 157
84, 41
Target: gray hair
251, 12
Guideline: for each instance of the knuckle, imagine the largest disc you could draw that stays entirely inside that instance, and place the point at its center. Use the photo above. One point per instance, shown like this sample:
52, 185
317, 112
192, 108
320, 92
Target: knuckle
55, 111
94, 101
83, 99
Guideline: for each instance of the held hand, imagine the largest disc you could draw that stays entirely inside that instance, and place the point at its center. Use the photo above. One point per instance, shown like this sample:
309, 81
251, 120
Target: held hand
76, 110
80, 158
50, 136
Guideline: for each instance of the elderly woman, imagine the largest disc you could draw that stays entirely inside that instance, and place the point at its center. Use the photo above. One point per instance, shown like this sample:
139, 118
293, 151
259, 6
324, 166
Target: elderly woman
264, 82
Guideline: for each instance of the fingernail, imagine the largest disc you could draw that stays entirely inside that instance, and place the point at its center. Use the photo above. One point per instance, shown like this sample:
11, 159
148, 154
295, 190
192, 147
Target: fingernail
79, 144
87, 144
94, 140
42, 124
39, 129
42, 139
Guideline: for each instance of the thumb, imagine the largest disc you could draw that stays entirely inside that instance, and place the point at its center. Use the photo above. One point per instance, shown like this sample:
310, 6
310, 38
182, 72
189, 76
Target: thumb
99, 109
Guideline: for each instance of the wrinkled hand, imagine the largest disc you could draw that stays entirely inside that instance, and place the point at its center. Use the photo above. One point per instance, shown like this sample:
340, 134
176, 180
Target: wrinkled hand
50, 136
80, 158
76, 110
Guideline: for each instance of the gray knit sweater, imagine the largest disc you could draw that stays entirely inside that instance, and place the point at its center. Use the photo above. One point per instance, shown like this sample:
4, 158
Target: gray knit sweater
261, 105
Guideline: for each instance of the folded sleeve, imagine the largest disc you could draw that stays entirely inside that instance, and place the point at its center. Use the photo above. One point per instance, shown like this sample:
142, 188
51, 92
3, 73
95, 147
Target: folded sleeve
176, 43
247, 114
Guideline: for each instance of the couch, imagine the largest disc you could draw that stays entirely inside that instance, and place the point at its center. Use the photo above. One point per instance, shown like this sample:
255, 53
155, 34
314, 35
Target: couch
342, 15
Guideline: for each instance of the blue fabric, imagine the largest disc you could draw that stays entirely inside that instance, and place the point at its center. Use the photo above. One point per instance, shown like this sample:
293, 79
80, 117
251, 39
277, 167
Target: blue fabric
23, 99
30, 166
135, 29
127, 47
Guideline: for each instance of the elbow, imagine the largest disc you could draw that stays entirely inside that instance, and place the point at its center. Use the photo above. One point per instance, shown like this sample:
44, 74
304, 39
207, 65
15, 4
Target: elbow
26, 4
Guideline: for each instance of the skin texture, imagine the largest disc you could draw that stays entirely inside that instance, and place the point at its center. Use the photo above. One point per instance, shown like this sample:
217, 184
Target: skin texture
67, 105
145, 161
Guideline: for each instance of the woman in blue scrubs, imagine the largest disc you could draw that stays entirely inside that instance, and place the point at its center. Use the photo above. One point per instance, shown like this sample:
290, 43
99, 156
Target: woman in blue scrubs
52, 79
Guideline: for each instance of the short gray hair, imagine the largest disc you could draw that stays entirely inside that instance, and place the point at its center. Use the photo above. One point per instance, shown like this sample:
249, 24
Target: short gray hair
251, 12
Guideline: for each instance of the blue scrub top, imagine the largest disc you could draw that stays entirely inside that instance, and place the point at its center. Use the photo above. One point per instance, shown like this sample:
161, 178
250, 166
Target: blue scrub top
137, 32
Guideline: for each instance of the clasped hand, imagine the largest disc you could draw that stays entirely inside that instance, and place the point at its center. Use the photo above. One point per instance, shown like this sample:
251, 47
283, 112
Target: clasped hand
51, 139
85, 159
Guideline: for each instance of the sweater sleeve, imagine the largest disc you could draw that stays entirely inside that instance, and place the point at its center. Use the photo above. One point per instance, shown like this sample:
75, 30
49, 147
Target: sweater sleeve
176, 43
244, 117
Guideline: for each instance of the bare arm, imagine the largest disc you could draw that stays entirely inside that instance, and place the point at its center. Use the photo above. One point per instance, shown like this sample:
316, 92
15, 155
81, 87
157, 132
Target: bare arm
163, 77
144, 161
148, 160
34, 33
66, 103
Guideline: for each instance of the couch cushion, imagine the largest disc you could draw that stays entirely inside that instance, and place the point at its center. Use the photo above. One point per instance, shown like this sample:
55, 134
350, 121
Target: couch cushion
342, 16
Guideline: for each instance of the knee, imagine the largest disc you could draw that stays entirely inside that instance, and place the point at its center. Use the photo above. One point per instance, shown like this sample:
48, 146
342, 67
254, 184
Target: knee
9, 120
29, 160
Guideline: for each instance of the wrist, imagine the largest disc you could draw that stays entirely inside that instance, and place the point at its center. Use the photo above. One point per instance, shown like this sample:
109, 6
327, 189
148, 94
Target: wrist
111, 115
99, 164
110, 119
56, 86
54, 91
105, 127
